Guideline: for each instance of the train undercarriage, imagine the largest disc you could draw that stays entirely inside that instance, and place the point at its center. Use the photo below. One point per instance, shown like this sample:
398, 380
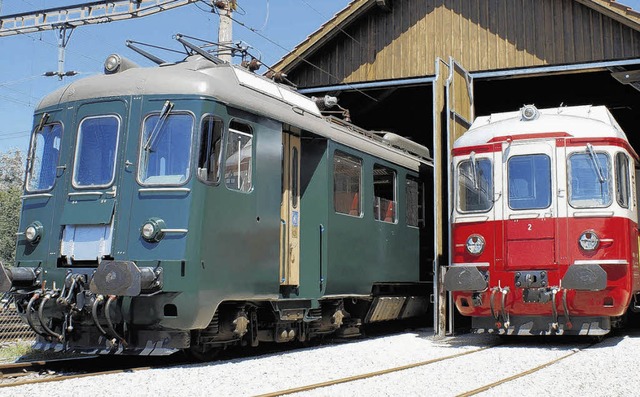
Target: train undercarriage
75, 319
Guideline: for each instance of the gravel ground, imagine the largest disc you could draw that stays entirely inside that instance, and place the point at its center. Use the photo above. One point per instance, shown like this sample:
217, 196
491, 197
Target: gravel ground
606, 369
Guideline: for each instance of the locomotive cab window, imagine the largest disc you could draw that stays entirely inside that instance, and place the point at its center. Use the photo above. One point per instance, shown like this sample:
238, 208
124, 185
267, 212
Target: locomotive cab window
475, 185
210, 150
43, 160
347, 179
384, 192
589, 180
529, 183
622, 180
166, 149
96, 151
415, 202
238, 168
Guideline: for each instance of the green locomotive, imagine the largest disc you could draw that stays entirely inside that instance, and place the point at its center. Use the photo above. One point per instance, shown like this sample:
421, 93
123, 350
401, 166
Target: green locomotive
196, 205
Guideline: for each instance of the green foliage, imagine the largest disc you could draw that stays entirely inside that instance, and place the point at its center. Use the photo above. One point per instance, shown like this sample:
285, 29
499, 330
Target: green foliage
11, 182
13, 351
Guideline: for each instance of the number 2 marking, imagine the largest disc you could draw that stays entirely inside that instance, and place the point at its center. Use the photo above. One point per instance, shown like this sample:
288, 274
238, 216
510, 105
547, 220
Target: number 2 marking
529, 227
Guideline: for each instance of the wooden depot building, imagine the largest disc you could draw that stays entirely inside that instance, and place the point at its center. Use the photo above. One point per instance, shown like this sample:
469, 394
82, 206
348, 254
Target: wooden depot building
425, 68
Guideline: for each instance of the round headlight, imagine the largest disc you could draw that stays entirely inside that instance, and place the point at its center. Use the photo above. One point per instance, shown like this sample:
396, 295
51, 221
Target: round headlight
152, 230
33, 232
112, 63
588, 240
529, 112
475, 244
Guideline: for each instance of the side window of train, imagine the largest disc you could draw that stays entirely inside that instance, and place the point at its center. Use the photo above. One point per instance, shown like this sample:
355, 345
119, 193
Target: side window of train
589, 180
623, 188
238, 163
475, 185
384, 193
415, 202
96, 151
529, 183
45, 150
210, 150
166, 149
347, 180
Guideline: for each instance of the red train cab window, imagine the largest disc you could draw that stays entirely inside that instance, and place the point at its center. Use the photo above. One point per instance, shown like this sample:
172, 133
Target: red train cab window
529, 181
622, 180
589, 180
475, 185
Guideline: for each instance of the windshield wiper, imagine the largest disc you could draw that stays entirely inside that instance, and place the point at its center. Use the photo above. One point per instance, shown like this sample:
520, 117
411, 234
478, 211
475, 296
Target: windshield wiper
43, 120
153, 136
474, 170
592, 155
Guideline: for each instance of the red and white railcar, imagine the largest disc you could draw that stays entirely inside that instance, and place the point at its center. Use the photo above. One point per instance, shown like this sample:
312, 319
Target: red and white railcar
544, 222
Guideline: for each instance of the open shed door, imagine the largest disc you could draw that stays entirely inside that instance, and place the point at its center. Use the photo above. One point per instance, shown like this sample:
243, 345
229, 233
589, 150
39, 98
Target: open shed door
453, 115
459, 102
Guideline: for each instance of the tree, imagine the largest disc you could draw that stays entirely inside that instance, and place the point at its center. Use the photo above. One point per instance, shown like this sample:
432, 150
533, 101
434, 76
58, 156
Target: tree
11, 183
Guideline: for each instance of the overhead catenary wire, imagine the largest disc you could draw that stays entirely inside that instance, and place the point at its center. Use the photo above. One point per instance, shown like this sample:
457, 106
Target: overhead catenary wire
22, 80
266, 17
14, 135
40, 38
326, 17
255, 31
19, 102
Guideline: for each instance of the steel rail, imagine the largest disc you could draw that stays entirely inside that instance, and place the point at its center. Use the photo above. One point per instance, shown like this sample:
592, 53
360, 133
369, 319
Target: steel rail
7, 369
372, 374
525, 373
57, 378
424, 363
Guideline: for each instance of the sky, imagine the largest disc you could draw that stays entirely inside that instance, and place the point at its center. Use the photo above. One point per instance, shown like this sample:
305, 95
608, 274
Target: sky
24, 58
281, 25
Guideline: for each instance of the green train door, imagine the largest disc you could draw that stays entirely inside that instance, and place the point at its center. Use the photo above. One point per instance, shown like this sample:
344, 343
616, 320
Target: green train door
290, 211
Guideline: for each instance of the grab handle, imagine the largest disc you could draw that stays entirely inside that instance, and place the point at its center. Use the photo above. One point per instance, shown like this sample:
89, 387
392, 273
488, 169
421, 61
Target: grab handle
321, 257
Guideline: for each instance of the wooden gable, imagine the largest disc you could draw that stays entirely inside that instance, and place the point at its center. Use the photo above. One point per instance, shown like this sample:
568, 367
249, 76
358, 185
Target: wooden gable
365, 42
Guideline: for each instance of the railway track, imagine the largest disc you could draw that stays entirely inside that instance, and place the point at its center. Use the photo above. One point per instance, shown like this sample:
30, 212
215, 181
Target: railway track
43, 371
524, 358
34, 372
523, 373
471, 392
13, 374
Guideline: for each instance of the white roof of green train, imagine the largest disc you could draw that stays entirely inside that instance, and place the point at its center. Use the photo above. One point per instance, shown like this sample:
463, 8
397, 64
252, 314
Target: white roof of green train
230, 85
577, 121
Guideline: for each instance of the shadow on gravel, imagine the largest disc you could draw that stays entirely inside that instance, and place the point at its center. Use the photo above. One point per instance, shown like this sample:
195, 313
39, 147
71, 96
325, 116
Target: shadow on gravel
561, 342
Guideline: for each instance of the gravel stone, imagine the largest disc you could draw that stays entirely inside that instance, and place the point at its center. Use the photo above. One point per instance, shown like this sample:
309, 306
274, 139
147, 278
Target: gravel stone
603, 370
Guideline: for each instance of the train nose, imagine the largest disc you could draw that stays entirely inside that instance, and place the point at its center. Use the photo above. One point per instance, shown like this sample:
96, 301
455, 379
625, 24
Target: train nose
125, 278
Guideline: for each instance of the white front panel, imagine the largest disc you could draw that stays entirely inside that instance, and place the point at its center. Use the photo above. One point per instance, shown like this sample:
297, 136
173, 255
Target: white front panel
86, 242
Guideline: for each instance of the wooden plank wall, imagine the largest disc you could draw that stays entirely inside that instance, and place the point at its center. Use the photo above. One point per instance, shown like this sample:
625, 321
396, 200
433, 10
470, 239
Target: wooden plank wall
480, 34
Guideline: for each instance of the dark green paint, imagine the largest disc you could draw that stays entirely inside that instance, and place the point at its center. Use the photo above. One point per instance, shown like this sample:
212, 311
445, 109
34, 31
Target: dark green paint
231, 250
